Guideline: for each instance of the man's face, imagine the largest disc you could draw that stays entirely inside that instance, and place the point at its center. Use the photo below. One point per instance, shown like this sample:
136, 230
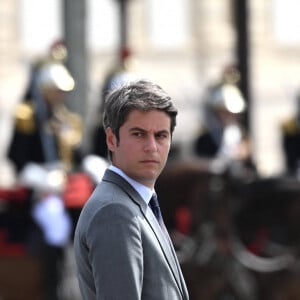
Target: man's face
143, 146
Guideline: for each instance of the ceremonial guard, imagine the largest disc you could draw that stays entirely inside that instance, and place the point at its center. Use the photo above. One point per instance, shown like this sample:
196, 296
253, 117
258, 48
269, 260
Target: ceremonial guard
44, 148
222, 135
290, 131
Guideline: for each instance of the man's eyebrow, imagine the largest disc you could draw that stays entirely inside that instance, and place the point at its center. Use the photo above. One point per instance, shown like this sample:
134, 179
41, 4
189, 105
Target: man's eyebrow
143, 130
137, 129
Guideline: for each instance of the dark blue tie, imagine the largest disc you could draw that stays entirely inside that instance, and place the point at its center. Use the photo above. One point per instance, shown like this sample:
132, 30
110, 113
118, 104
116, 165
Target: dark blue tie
157, 213
156, 209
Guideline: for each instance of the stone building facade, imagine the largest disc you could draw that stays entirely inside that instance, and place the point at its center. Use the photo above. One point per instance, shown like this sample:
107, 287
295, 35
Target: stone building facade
184, 70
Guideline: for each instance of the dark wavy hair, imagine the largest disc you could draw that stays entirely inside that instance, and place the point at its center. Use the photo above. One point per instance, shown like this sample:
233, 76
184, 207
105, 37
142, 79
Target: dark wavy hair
140, 95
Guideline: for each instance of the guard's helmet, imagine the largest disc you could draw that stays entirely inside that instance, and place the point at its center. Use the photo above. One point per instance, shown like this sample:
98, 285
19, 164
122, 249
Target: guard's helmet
226, 95
55, 75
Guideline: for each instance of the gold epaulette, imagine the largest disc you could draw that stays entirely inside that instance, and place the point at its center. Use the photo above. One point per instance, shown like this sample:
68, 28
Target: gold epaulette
290, 126
24, 117
75, 135
69, 131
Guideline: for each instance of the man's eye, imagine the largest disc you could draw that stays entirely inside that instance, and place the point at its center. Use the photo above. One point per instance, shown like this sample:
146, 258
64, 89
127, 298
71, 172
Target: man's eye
162, 136
137, 134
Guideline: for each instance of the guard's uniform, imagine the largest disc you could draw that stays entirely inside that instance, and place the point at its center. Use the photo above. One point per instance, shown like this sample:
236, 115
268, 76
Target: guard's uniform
291, 144
62, 128
46, 132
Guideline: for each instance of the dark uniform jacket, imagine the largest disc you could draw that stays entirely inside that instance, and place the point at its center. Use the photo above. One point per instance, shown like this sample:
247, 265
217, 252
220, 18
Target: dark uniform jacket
291, 144
54, 139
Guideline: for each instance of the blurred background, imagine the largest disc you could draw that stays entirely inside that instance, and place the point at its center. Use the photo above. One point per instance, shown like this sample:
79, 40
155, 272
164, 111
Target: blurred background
192, 48
184, 45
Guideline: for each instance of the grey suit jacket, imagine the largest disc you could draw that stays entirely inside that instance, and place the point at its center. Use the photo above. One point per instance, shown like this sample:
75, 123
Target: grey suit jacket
120, 250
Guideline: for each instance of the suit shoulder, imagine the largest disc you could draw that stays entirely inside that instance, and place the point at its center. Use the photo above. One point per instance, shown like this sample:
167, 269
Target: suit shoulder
24, 116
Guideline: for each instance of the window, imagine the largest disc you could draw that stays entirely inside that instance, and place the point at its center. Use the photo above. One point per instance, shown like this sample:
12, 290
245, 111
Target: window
40, 24
286, 22
102, 24
168, 23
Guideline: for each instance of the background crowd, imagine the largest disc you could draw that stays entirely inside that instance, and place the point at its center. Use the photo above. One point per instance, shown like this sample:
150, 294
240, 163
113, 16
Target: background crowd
59, 172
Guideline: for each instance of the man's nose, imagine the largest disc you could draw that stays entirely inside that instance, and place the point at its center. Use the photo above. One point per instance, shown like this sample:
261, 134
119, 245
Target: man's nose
150, 144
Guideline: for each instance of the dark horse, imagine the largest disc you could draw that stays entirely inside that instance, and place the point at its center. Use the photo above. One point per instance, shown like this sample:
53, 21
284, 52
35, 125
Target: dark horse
235, 235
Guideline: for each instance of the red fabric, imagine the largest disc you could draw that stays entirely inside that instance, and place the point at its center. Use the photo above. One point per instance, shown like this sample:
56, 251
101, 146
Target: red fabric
78, 189
183, 219
17, 194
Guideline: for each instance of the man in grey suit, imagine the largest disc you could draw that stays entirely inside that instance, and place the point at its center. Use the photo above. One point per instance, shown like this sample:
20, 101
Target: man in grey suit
122, 249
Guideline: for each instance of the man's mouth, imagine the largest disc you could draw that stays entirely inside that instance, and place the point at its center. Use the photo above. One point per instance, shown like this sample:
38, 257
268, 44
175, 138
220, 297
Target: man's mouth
150, 161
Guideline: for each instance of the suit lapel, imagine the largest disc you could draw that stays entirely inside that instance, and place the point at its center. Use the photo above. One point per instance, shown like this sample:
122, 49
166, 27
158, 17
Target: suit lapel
166, 247
163, 240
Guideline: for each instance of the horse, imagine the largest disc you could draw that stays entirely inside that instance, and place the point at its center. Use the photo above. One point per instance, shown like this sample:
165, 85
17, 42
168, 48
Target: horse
234, 232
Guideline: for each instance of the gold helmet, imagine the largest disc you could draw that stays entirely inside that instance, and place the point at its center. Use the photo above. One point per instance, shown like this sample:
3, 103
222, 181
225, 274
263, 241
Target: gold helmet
227, 95
55, 75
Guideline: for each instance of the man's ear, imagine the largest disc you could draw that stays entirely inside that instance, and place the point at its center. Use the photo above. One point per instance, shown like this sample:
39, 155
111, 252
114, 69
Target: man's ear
111, 139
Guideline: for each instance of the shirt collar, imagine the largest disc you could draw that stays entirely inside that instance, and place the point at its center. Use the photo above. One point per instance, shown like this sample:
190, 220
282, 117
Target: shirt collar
145, 192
